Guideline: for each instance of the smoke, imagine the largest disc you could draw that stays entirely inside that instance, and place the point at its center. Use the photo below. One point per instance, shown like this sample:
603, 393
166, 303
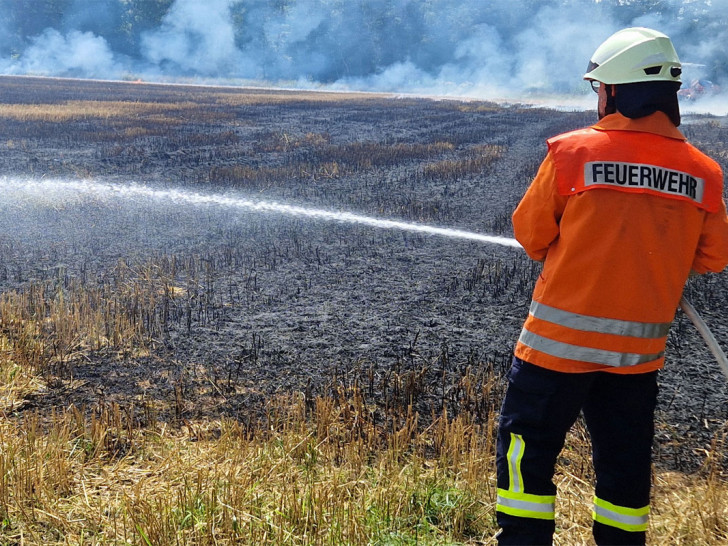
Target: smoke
77, 54
195, 38
519, 49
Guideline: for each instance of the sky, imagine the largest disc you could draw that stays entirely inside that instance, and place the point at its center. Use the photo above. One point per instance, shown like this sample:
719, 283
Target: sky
511, 49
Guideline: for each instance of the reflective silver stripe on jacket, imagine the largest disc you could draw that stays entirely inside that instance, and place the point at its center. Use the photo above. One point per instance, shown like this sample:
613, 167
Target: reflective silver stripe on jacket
585, 354
587, 323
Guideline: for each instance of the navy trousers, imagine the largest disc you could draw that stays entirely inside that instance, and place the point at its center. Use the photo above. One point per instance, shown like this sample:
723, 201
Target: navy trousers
539, 408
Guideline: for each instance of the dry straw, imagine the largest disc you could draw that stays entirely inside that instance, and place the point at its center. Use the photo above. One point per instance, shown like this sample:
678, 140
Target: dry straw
320, 471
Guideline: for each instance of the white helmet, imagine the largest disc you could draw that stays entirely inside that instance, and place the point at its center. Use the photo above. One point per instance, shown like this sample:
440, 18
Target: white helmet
635, 55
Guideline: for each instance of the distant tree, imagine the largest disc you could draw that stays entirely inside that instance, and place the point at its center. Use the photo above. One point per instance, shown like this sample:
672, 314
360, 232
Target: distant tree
135, 18
29, 18
120, 22
100, 17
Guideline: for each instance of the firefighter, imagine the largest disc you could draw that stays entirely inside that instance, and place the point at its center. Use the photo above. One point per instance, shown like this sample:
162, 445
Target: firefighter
620, 214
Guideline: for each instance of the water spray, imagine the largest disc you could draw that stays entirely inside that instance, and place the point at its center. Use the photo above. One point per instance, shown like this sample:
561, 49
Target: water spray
54, 189
48, 189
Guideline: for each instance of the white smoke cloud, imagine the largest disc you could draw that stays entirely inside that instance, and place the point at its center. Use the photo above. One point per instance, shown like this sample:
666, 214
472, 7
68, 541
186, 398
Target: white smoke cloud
195, 37
79, 54
549, 55
511, 50
480, 63
553, 52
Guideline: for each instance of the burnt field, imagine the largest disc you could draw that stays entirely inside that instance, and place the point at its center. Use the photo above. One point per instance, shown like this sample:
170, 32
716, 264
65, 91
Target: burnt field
180, 310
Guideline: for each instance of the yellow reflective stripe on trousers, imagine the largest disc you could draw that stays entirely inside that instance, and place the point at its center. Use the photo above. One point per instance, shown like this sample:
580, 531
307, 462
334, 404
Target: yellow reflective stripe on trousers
514, 501
526, 506
588, 323
516, 449
628, 519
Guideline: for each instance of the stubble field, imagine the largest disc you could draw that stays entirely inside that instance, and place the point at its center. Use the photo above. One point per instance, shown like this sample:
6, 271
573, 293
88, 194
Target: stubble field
178, 309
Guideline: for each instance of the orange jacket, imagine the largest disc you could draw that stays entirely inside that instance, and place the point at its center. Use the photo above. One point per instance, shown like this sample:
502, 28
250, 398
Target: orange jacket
620, 213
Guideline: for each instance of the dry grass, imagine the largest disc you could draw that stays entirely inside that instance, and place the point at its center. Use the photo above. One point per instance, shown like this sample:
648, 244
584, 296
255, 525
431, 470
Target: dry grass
48, 327
322, 475
255, 96
456, 169
81, 110
319, 471
163, 112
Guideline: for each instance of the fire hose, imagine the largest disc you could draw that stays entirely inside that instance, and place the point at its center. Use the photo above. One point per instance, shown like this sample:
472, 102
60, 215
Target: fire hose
706, 334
